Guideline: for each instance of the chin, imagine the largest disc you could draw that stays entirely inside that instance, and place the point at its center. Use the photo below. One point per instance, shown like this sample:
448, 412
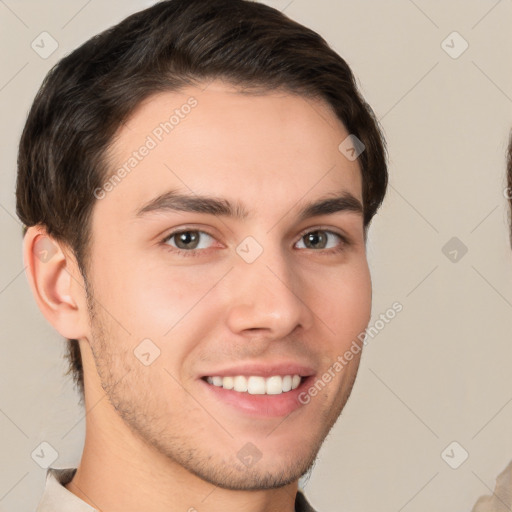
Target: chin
269, 472
264, 478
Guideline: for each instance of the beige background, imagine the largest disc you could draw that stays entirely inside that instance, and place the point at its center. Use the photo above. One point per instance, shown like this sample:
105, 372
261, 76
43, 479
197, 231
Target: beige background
440, 371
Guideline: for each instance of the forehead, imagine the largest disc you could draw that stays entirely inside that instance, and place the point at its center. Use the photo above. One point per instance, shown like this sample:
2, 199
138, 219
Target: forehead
226, 143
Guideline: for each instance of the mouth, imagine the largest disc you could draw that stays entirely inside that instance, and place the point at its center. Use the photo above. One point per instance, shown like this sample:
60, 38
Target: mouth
256, 384
259, 391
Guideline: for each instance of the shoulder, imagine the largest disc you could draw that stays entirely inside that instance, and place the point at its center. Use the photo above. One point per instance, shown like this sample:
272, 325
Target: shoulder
502, 496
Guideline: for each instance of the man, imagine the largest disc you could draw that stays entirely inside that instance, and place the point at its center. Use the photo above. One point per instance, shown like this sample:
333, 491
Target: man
197, 183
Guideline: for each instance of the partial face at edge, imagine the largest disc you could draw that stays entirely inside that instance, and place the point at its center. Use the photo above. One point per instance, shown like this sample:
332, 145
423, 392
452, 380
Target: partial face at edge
268, 293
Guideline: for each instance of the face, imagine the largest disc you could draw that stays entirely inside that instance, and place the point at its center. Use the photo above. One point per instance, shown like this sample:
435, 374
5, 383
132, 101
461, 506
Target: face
219, 299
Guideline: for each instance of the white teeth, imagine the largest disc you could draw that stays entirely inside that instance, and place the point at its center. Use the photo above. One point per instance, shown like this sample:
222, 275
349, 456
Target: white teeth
228, 383
240, 383
275, 385
256, 385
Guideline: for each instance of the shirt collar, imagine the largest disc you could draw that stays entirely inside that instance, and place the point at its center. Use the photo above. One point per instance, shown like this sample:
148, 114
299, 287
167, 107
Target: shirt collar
56, 498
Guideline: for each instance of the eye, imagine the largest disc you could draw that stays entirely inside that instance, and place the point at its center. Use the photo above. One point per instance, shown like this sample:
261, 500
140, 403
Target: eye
187, 240
319, 239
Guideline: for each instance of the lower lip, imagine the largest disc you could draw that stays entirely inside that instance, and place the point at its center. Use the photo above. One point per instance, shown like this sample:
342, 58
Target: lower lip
260, 405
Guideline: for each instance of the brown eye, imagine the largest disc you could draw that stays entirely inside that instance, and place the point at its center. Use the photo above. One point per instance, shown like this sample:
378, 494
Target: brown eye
315, 239
186, 240
319, 239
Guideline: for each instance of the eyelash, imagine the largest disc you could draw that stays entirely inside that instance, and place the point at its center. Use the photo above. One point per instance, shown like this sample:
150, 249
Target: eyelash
197, 252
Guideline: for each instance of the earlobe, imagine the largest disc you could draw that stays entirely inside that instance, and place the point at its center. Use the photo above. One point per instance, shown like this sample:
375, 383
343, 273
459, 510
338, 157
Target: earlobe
56, 283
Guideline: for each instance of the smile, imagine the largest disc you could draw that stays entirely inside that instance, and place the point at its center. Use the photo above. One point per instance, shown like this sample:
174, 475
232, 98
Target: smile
255, 384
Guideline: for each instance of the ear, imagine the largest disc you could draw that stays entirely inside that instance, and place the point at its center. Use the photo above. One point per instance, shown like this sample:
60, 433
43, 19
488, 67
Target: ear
56, 282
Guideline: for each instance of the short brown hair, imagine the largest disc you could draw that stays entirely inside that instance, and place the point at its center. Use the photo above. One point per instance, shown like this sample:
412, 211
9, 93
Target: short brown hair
89, 93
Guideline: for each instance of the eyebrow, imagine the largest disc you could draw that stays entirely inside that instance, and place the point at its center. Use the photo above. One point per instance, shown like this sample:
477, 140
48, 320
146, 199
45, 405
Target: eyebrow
174, 201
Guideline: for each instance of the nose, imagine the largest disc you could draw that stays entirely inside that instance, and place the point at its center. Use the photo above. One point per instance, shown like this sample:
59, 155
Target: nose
268, 297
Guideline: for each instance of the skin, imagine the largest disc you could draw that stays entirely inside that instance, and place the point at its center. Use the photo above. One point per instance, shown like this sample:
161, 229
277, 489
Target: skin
156, 440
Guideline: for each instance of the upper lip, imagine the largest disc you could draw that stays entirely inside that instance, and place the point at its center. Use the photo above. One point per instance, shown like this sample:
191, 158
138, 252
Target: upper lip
263, 370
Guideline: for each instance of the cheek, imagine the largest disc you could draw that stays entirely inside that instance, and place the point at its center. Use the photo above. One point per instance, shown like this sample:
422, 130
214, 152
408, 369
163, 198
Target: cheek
345, 303
164, 300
